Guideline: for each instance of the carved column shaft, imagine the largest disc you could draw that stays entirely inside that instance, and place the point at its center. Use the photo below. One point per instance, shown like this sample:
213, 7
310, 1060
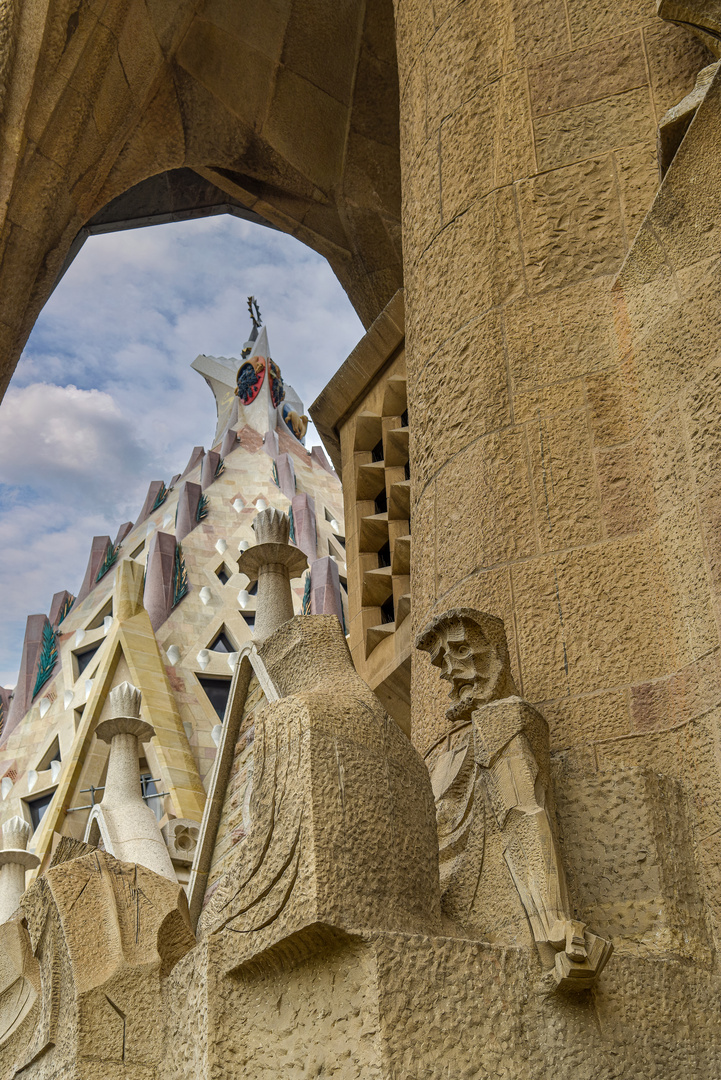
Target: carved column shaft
122, 786
275, 599
131, 824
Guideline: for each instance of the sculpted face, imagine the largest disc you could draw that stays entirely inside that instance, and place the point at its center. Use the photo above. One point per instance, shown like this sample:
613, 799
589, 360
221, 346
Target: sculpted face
471, 651
470, 663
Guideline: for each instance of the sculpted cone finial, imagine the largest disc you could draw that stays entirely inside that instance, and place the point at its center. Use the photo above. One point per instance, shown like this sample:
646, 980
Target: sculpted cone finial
15, 833
125, 701
271, 526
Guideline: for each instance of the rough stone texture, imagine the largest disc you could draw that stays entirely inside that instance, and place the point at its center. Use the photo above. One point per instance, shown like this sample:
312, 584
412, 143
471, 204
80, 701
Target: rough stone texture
561, 366
333, 780
90, 1000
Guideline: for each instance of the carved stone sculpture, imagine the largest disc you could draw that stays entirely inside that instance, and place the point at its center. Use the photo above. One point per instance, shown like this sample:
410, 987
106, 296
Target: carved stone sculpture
341, 831
14, 861
82, 969
272, 562
492, 784
128, 825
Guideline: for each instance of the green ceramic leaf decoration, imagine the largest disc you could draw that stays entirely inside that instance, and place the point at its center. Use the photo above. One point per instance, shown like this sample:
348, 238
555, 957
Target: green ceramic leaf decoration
48, 657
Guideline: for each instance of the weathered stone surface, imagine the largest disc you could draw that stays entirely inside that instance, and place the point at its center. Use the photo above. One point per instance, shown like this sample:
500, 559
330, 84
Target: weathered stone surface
592, 74
561, 378
571, 224
591, 129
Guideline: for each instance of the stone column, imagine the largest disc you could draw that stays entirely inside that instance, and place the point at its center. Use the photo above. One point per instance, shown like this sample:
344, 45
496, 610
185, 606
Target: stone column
515, 224
14, 861
272, 563
131, 824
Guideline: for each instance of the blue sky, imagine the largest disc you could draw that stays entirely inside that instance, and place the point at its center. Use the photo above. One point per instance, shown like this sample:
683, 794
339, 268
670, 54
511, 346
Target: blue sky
104, 400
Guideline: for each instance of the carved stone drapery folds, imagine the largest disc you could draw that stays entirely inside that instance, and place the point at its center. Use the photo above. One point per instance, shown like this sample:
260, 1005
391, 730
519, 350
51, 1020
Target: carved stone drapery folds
341, 812
492, 783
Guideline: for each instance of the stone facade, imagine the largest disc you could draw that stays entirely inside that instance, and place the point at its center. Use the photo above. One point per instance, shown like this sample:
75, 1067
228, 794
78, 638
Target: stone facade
497, 160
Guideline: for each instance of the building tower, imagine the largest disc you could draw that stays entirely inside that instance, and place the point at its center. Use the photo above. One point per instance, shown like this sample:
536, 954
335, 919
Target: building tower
166, 607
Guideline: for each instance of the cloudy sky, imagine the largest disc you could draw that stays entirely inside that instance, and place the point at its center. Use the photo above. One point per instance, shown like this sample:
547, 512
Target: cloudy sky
103, 400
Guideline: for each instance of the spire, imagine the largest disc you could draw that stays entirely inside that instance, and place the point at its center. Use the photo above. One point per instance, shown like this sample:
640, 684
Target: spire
251, 390
257, 320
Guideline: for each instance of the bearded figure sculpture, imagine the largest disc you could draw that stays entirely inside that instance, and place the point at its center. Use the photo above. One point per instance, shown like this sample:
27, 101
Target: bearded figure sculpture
500, 864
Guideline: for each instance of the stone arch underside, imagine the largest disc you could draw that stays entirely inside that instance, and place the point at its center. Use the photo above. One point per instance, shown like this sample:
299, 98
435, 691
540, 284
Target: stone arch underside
123, 113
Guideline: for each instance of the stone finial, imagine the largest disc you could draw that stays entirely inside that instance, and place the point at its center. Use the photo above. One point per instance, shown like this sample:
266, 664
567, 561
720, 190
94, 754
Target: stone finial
16, 833
125, 701
271, 526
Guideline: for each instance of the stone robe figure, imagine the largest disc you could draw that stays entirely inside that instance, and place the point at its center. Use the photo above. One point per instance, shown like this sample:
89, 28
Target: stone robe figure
494, 804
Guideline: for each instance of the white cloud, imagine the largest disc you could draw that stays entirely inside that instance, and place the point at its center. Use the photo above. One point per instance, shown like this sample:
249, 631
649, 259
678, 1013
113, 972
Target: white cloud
104, 400
56, 438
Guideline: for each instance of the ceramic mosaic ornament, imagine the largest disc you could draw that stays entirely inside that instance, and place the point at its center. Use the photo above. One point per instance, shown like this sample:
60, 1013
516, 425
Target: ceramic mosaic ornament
277, 387
250, 379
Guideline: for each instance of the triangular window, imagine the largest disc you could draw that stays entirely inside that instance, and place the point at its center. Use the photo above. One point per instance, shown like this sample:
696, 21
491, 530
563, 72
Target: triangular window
82, 659
222, 643
105, 611
52, 754
217, 691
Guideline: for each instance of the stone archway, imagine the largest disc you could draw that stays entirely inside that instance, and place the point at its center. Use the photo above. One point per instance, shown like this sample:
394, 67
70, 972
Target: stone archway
288, 111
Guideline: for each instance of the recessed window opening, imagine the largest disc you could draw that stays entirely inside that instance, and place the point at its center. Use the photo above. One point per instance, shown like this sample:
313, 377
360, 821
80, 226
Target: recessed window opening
138, 551
38, 807
384, 554
52, 754
82, 659
217, 692
222, 575
388, 614
404, 418
105, 611
377, 451
250, 620
222, 643
407, 471
381, 502
252, 590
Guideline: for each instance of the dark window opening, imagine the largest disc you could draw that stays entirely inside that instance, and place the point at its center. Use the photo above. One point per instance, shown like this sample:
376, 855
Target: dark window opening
407, 471
384, 554
217, 691
37, 807
377, 451
252, 590
381, 502
388, 613
404, 418
83, 658
328, 515
250, 620
341, 540
222, 575
222, 644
